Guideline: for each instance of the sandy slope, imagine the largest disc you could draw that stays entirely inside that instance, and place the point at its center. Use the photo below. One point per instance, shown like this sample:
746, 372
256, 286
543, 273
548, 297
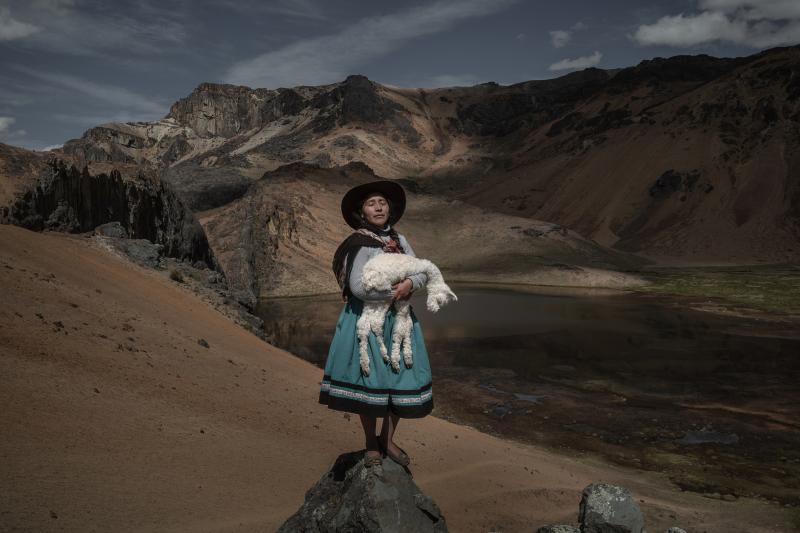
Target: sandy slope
114, 418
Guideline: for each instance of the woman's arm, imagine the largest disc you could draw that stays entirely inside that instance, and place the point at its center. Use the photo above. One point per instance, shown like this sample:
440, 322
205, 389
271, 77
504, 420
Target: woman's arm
364, 254
419, 279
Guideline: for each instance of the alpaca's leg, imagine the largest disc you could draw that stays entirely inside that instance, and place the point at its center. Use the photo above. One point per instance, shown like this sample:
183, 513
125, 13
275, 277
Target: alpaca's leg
363, 354
397, 339
362, 329
377, 328
407, 355
399, 332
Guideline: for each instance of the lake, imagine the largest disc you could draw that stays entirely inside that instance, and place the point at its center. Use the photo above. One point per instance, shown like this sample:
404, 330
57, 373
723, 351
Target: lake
645, 381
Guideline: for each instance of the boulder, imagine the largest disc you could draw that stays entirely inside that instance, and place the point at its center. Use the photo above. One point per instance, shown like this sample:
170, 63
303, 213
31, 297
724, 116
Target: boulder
140, 251
350, 497
609, 509
558, 528
111, 229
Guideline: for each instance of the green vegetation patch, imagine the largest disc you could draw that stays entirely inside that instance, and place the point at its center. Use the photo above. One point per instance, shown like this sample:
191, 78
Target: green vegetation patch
774, 288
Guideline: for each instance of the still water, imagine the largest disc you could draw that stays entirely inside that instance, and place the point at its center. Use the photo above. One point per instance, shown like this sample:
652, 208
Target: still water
644, 381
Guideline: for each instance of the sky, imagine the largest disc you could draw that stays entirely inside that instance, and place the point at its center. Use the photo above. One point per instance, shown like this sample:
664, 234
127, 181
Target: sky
68, 65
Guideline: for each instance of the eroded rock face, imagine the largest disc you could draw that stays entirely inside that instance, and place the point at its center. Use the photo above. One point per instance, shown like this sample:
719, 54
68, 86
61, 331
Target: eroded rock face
223, 110
609, 509
66, 199
350, 497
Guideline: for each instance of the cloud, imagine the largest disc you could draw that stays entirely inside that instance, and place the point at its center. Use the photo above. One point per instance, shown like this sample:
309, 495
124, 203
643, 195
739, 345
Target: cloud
63, 26
753, 23
578, 63
120, 98
51, 147
302, 9
5, 129
755, 9
560, 38
5, 124
330, 58
11, 29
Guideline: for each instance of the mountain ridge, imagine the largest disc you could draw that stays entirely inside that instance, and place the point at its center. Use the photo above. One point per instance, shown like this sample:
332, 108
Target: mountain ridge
686, 159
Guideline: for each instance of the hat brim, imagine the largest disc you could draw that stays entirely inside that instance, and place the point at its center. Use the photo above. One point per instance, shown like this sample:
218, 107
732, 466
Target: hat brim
353, 199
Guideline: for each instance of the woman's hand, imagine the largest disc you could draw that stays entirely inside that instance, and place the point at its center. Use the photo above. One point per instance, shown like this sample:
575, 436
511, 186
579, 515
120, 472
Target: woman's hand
402, 290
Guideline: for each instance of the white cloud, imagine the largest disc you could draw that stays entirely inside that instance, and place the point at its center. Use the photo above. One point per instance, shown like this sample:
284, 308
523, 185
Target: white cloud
5, 124
119, 97
5, 129
754, 23
51, 147
577, 63
11, 28
302, 9
755, 9
560, 38
330, 58
63, 27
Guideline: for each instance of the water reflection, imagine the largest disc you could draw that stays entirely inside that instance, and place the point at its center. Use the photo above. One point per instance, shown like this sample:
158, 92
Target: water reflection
636, 379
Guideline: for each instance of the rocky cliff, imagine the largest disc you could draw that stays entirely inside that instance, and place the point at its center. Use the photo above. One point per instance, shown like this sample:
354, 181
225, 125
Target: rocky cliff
67, 199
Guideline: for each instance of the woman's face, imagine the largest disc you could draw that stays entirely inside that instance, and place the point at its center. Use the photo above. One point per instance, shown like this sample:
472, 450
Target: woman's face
376, 210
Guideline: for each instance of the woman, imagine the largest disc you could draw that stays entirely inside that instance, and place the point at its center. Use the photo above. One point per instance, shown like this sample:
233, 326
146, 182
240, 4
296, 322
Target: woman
372, 209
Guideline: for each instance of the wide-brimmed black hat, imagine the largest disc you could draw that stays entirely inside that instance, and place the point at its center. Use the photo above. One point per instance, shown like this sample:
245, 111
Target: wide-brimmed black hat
354, 199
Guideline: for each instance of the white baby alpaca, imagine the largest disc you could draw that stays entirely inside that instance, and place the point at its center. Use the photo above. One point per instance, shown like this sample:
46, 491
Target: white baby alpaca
380, 273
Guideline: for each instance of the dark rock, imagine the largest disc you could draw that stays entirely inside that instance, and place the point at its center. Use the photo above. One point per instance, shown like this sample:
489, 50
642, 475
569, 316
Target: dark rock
66, 199
346, 141
111, 229
350, 497
201, 188
672, 181
558, 528
609, 509
140, 251
103, 143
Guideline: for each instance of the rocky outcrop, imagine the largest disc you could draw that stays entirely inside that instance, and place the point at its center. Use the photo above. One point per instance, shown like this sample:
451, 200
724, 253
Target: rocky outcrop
558, 528
67, 199
350, 497
609, 509
605, 508
226, 110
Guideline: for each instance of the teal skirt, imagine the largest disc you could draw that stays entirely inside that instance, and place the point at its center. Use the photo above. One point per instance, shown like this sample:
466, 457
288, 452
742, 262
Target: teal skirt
406, 393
